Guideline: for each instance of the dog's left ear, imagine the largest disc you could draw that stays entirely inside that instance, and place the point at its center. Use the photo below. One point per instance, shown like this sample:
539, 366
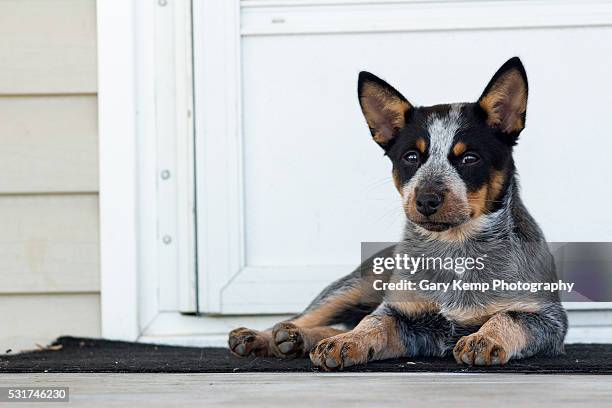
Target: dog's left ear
504, 100
384, 108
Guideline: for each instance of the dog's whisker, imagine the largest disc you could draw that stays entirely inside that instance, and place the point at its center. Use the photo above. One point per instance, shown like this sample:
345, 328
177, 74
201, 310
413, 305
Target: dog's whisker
394, 213
378, 184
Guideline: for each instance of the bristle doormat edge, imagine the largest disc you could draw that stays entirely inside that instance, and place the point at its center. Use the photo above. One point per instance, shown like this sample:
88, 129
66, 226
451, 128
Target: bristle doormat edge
87, 355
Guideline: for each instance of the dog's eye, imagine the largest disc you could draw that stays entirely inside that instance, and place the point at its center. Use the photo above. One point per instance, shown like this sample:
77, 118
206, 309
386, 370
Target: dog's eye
411, 157
470, 158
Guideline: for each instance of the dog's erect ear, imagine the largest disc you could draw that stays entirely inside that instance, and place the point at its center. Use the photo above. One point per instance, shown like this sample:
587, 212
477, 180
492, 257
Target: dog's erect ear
384, 108
505, 98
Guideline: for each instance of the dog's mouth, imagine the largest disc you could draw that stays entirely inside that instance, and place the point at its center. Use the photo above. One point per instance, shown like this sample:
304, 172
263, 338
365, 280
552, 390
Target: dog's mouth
435, 226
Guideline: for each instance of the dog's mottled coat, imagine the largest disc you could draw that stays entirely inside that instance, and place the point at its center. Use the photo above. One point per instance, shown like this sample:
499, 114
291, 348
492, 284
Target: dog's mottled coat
453, 166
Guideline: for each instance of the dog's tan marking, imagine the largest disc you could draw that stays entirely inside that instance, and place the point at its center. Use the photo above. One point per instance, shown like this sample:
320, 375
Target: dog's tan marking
316, 334
396, 180
414, 307
506, 102
482, 200
374, 338
497, 341
384, 111
478, 201
506, 331
496, 183
322, 313
409, 303
459, 149
421, 144
480, 315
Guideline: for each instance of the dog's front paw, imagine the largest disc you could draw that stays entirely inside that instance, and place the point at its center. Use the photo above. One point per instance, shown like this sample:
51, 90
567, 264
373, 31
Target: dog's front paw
288, 340
480, 349
243, 342
337, 352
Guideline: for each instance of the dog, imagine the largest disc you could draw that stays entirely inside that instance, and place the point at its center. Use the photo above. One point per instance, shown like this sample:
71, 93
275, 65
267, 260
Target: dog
454, 170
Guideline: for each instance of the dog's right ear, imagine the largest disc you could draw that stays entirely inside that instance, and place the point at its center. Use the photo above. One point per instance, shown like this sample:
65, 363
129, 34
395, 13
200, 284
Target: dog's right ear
384, 108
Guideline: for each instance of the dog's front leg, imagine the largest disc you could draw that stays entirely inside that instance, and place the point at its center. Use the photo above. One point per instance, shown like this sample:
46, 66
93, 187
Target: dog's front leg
513, 335
285, 340
376, 337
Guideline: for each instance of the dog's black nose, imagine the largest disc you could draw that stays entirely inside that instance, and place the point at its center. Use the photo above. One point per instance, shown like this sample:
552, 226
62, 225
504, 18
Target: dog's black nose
428, 203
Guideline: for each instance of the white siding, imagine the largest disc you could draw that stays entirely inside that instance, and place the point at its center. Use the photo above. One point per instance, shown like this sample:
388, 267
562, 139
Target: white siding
27, 320
47, 46
49, 245
49, 144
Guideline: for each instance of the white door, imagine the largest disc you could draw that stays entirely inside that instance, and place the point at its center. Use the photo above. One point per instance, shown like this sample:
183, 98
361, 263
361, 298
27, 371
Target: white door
289, 182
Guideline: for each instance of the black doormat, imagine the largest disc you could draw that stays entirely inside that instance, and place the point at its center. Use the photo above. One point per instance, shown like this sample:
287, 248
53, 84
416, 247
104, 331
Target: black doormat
82, 355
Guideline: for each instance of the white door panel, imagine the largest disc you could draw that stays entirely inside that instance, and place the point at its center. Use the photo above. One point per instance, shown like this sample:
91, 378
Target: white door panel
310, 185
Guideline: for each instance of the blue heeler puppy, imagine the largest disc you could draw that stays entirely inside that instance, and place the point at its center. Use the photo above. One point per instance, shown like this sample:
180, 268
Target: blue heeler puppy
453, 166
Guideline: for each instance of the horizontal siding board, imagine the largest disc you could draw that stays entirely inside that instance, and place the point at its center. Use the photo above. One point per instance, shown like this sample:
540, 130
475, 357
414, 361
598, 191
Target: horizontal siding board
47, 46
49, 144
49, 243
27, 320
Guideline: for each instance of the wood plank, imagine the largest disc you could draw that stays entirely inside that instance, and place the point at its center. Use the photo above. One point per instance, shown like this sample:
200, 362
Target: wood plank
49, 144
30, 319
49, 243
47, 46
366, 389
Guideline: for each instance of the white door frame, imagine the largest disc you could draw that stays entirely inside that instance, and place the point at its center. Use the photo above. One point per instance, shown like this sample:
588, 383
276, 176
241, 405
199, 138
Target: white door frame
118, 173
147, 198
147, 194
146, 125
